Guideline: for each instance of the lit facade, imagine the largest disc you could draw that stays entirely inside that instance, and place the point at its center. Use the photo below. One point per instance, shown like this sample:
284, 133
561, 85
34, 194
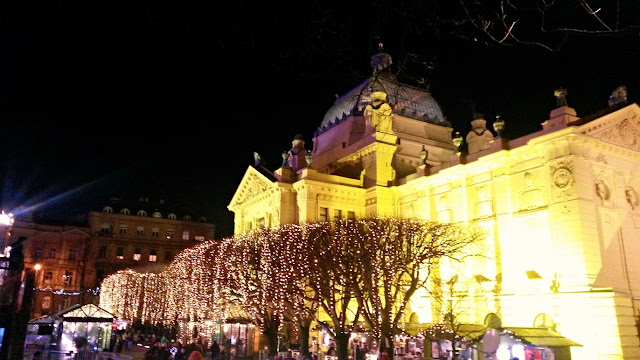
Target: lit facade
559, 207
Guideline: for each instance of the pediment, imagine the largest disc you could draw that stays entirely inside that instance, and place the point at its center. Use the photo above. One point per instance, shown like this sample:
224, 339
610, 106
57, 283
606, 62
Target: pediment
621, 127
253, 184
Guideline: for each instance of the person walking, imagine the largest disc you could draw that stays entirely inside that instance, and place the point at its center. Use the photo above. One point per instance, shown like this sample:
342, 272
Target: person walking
215, 350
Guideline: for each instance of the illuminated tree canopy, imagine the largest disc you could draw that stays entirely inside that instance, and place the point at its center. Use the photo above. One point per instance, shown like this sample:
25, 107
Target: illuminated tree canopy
334, 273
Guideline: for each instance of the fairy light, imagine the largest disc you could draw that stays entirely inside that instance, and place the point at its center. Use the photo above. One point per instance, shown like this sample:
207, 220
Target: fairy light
293, 273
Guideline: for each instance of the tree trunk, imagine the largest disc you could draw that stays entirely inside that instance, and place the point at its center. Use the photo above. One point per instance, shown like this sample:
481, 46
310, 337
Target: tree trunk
342, 344
303, 327
386, 340
271, 333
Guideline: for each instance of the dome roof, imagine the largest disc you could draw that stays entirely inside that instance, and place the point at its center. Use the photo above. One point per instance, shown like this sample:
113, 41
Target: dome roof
404, 99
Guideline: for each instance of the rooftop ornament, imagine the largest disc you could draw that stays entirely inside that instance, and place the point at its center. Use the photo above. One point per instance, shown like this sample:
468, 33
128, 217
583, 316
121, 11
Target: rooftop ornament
423, 155
457, 140
498, 125
561, 96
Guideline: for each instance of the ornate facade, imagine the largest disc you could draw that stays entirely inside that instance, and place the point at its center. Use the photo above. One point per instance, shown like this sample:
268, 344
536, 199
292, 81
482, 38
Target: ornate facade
559, 207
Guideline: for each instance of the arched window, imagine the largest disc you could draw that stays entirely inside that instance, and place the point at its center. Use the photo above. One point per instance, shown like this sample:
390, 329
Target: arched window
186, 218
125, 211
202, 219
106, 228
108, 209
156, 214
142, 213
171, 216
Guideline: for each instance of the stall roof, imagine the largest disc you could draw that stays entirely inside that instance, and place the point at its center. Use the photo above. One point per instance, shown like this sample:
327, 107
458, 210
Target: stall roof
541, 336
78, 313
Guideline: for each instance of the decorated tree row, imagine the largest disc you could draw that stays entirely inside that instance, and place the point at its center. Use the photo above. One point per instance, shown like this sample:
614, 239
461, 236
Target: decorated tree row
335, 274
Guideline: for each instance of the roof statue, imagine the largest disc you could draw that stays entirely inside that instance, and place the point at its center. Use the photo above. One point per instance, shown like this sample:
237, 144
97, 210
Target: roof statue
619, 95
561, 96
297, 154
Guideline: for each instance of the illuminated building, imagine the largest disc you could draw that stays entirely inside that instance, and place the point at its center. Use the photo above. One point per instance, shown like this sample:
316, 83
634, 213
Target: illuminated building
74, 259
559, 207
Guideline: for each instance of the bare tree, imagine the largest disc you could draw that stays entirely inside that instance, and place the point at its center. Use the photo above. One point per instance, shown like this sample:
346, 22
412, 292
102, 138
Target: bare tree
547, 23
397, 258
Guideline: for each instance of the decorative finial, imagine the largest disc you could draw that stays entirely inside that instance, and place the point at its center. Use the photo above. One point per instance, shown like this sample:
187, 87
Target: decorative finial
381, 60
256, 158
424, 154
285, 158
308, 158
561, 96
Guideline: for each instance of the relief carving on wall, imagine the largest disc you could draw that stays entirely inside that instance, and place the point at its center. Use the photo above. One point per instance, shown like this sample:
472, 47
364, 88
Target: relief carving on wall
631, 196
530, 196
603, 192
562, 179
443, 209
625, 133
484, 206
254, 187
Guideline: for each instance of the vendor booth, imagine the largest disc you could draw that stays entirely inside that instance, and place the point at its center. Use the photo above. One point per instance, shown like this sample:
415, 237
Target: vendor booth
76, 328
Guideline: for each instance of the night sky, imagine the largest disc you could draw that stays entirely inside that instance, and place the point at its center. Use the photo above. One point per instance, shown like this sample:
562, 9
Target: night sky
102, 98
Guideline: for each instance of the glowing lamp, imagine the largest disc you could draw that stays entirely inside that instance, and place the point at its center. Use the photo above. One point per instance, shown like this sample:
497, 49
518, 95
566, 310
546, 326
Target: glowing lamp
457, 140
37, 267
6, 219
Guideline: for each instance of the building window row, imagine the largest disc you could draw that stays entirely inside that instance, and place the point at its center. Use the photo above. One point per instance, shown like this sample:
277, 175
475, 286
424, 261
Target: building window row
155, 214
338, 214
137, 254
67, 278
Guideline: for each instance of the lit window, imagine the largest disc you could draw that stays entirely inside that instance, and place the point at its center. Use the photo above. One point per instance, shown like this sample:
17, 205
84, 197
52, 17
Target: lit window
68, 278
152, 255
52, 253
324, 213
73, 254
169, 234
123, 229
171, 216
155, 232
140, 231
185, 235
351, 215
137, 254
186, 218
107, 209
157, 214
337, 214
46, 302
103, 252
142, 213
37, 253
125, 211
120, 253
48, 277
199, 238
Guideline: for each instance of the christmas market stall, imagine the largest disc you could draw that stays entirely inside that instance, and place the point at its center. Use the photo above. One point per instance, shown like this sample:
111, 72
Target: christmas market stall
74, 329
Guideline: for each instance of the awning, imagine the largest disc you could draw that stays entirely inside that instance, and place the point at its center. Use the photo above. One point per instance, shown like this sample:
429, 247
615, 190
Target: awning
541, 337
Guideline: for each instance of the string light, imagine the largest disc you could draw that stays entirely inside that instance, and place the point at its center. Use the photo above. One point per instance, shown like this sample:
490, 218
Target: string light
293, 273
